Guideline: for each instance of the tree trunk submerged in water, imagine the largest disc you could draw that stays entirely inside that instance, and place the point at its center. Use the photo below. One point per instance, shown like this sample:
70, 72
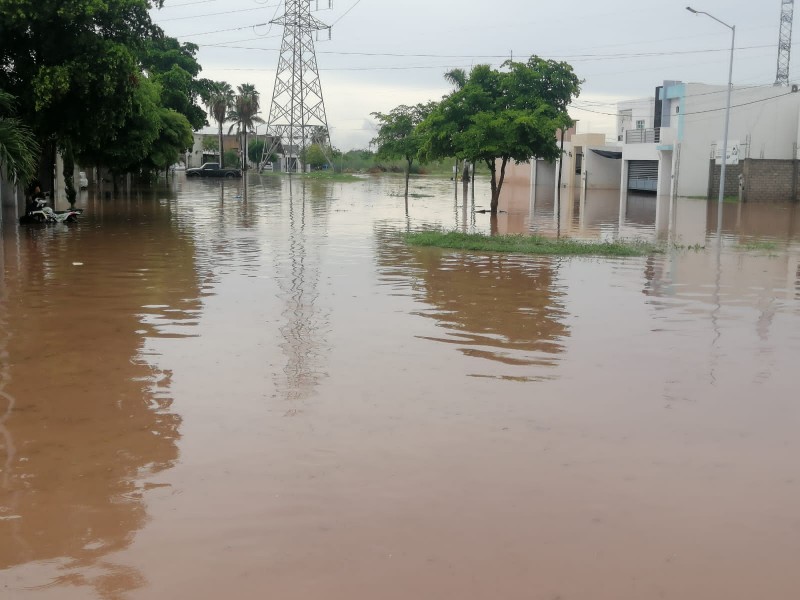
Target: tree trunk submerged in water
69, 174
497, 184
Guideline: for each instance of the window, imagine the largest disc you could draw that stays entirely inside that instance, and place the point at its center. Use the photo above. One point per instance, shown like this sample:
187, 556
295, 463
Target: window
640, 124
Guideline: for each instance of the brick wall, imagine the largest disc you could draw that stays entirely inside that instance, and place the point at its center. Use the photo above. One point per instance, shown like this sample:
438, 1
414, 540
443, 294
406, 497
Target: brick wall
764, 180
731, 179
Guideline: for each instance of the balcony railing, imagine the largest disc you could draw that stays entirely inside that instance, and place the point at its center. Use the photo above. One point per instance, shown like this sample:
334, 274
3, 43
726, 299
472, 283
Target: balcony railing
643, 136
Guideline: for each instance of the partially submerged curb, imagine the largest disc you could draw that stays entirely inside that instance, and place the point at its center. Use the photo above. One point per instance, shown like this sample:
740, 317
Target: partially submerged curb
530, 244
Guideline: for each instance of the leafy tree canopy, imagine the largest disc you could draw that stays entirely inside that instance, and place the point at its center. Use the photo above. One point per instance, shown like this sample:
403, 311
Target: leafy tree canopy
500, 115
18, 148
398, 133
314, 156
173, 65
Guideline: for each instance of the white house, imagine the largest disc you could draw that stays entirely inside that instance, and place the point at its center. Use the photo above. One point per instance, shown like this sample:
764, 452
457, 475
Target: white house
669, 149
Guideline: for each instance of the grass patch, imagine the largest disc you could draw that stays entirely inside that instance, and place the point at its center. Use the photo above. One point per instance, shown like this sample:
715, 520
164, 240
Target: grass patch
327, 176
758, 245
528, 244
315, 175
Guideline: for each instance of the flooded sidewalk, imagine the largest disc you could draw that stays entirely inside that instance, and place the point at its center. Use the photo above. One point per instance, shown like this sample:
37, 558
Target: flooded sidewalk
206, 393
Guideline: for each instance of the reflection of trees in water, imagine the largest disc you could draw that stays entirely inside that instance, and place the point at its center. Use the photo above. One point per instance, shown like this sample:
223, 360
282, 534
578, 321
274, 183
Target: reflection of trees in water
91, 417
503, 308
297, 272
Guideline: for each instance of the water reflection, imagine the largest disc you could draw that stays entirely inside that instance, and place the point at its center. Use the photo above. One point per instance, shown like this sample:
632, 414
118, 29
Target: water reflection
504, 309
297, 268
85, 413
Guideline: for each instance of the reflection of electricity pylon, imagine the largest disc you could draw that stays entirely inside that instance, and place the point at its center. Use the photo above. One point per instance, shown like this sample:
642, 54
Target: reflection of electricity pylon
297, 106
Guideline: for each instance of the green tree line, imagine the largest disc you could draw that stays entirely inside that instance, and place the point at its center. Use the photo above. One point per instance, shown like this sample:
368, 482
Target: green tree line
101, 84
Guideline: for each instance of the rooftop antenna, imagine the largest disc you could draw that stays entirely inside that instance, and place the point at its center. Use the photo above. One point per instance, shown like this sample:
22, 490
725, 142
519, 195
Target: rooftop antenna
297, 113
785, 43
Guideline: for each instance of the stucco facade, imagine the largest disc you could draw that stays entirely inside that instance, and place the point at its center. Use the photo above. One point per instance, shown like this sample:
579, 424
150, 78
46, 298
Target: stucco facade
687, 126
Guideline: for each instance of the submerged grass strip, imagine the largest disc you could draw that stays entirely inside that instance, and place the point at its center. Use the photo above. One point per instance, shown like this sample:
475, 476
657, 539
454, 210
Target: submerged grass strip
528, 244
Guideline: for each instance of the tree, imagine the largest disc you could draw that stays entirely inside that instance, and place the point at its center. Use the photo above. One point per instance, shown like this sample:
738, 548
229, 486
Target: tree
398, 134
314, 156
218, 99
173, 66
74, 66
246, 105
174, 138
18, 147
255, 152
503, 115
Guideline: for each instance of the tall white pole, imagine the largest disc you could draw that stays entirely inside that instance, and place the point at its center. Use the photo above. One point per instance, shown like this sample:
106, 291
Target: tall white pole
727, 119
725, 138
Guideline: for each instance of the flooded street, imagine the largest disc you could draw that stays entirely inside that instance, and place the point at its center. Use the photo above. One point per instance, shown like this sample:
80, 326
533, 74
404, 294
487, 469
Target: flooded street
205, 396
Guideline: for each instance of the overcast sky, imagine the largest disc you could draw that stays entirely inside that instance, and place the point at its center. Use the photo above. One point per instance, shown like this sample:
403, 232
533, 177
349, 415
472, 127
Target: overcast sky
385, 53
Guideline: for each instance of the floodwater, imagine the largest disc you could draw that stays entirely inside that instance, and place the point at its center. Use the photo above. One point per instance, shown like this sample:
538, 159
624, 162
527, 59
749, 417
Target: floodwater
205, 396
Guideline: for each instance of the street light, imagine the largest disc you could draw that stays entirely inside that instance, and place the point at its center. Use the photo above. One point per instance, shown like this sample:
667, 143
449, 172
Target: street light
727, 119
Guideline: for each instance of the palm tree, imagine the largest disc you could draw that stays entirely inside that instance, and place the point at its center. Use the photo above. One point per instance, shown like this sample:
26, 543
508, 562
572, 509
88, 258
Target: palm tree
246, 105
458, 77
219, 102
18, 147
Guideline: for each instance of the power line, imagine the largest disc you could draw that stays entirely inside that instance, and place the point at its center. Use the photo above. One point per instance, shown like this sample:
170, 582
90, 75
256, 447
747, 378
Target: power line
697, 112
189, 3
226, 12
346, 12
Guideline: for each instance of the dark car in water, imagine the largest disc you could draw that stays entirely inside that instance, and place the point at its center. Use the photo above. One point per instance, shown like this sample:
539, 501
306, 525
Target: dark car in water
213, 170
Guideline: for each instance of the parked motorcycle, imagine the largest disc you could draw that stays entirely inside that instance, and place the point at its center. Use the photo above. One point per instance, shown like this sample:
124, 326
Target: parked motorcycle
41, 213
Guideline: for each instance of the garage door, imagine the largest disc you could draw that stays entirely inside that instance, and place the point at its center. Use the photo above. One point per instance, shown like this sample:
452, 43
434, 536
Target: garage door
643, 175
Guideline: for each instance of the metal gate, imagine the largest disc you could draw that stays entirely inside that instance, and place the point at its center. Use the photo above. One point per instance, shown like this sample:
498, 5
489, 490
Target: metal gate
643, 175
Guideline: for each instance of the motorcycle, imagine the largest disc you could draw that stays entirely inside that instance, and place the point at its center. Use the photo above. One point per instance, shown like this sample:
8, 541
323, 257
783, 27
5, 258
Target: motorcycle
41, 213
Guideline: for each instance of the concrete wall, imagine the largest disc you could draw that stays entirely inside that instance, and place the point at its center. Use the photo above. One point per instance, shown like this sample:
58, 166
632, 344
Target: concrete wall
764, 120
601, 173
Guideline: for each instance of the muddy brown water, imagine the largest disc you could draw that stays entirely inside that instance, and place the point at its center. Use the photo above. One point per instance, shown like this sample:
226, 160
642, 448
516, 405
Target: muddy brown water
206, 397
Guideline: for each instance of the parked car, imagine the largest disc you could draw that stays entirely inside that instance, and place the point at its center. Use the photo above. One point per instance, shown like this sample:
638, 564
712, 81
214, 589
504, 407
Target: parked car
213, 170
83, 181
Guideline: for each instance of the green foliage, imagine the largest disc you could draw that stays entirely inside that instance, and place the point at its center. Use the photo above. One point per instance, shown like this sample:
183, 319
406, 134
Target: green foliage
18, 147
100, 81
397, 131
174, 138
314, 156
210, 144
255, 150
528, 244
231, 159
505, 115
173, 66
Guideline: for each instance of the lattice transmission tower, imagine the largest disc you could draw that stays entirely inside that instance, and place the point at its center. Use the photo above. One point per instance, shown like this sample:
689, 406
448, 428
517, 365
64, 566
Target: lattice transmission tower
297, 113
785, 42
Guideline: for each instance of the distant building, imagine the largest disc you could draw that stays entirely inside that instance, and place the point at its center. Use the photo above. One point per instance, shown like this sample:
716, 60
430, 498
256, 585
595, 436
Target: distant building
199, 154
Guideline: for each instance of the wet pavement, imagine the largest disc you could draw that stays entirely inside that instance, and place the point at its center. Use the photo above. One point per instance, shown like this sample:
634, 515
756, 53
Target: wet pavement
206, 396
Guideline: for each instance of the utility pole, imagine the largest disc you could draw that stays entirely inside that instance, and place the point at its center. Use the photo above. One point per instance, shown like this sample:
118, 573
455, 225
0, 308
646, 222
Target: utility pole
785, 42
297, 103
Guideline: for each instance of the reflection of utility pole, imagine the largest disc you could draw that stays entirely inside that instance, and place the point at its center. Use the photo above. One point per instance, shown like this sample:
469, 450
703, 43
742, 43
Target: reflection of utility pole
558, 191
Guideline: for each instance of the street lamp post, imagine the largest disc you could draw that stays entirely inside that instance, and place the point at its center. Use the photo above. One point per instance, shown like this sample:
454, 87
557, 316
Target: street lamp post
727, 119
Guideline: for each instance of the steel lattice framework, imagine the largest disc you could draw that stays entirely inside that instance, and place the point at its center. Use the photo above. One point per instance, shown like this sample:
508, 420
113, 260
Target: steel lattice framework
785, 42
297, 113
